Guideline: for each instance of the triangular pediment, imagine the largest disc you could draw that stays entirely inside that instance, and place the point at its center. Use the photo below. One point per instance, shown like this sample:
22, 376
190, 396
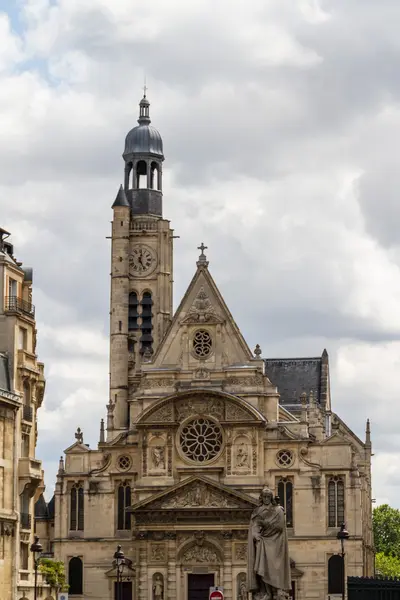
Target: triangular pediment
77, 448
202, 309
197, 493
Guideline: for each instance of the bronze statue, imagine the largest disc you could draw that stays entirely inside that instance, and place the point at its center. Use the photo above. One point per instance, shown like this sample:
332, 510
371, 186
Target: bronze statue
268, 554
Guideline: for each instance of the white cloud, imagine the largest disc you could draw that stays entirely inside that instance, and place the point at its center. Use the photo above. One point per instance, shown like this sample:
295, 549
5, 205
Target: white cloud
280, 122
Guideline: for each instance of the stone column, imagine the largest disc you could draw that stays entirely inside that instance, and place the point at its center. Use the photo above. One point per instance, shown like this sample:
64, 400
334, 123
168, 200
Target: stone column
226, 575
170, 584
142, 574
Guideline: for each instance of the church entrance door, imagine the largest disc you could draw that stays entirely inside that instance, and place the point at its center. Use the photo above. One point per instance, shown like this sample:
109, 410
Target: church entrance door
199, 585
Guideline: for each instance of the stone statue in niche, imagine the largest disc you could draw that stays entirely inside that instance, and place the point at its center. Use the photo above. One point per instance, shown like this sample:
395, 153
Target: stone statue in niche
158, 586
241, 587
242, 456
268, 563
158, 457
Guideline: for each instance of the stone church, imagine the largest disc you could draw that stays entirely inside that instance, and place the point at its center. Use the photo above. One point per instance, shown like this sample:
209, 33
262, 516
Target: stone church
197, 424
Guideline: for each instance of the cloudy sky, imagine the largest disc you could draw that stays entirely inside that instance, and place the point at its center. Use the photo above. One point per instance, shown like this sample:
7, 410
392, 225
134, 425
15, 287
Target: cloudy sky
281, 128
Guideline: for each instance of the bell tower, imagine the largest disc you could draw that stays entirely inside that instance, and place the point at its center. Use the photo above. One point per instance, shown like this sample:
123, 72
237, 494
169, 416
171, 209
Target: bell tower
141, 267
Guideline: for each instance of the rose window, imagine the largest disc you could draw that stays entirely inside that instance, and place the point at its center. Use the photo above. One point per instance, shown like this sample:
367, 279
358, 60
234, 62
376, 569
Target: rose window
201, 440
285, 458
202, 343
124, 462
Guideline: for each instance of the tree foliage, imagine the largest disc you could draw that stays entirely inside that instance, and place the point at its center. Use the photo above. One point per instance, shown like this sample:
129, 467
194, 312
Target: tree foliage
53, 572
386, 524
387, 565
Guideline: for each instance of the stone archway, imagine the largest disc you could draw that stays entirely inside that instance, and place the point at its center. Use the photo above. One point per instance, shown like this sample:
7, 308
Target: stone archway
199, 565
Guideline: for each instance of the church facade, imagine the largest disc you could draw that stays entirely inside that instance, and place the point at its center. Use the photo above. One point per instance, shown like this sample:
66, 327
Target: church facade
197, 424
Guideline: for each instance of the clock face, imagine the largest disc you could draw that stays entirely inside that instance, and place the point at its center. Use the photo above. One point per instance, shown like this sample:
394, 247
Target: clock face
142, 260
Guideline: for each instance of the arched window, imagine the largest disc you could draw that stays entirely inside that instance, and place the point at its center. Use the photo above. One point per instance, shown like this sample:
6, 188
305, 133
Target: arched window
146, 339
75, 576
77, 508
335, 574
124, 501
128, 170
141, 174
154, 178
133, 312
335, 502
285, 493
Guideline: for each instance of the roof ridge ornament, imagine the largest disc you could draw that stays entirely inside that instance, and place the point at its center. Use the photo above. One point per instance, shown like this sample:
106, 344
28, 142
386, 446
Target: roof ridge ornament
202, 262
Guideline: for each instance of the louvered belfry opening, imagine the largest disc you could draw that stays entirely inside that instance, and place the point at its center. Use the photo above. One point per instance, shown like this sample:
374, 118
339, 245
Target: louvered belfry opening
146, 339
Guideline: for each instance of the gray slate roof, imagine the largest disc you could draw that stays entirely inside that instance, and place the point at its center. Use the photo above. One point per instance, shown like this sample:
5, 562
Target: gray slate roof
143, 139
4, 373
44, 510
294, 376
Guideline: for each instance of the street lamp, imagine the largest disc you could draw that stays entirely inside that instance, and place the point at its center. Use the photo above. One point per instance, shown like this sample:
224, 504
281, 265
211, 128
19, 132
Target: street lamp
36, 549
343, 535
119, 559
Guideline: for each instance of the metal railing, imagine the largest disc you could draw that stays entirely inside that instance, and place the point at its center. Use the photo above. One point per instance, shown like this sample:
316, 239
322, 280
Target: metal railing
27, 413
25, 520
16, 304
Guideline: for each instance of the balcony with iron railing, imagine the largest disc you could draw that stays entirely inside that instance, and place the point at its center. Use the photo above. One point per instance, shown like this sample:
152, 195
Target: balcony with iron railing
18, 305
25, 520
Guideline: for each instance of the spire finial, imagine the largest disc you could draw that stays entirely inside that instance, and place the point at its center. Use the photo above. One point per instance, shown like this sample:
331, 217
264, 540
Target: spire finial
202, 262
144, 87
368, 434
61, 468
102, 438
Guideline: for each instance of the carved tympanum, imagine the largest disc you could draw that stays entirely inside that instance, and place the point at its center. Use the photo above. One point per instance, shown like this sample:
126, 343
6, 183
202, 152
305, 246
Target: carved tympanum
199, 495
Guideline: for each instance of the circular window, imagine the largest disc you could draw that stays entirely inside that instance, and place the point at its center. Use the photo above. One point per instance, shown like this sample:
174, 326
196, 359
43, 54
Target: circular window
202, 343
201, 439
285, 458
124, 462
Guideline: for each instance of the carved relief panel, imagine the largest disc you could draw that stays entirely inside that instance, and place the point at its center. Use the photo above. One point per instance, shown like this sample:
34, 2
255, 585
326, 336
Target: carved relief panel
157, 553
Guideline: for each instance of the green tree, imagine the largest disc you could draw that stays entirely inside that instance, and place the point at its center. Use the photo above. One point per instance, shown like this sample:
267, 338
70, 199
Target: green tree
386, 524
386, 565
53, 572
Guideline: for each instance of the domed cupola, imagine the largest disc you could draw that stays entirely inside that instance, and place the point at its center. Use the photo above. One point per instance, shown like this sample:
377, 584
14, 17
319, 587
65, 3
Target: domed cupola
143, 156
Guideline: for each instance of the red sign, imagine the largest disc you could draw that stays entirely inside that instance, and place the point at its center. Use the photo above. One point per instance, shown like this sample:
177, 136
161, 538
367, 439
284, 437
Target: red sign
216, 594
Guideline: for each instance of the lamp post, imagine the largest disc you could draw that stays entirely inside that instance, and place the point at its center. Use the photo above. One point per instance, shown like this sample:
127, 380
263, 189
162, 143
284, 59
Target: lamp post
36, 549
343, 535
119, 559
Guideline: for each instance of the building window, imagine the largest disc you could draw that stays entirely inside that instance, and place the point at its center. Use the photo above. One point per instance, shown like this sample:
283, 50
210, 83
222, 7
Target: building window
335, 502
25, 445
12, 288
22, 339
202, 343
285, 493
75, 576
201, 440
77, 508
24, 557
335, 574
124, 501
